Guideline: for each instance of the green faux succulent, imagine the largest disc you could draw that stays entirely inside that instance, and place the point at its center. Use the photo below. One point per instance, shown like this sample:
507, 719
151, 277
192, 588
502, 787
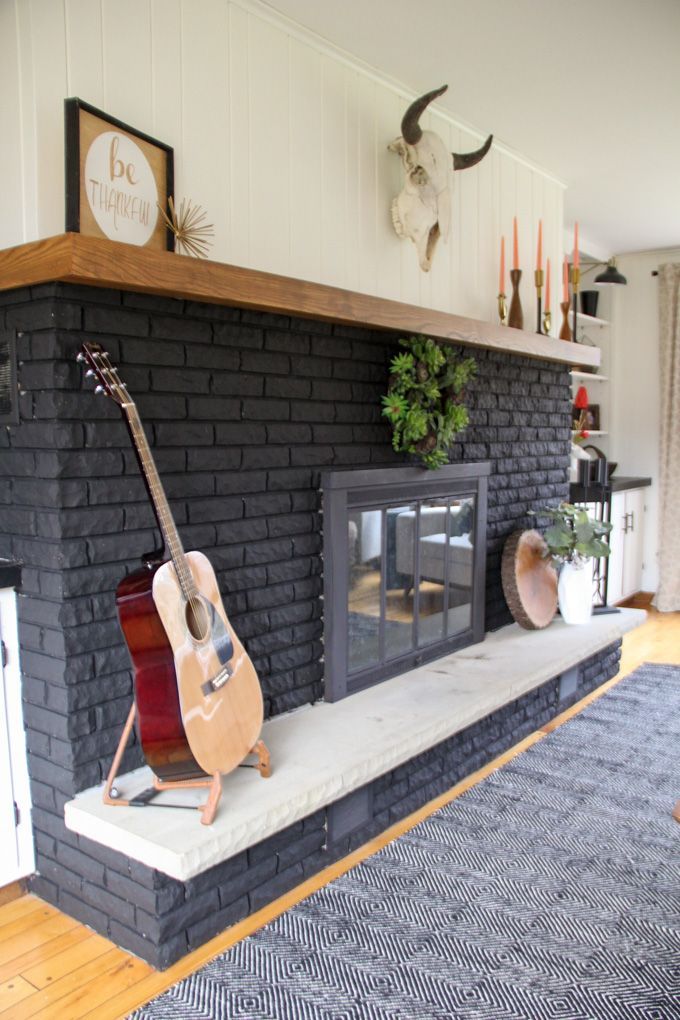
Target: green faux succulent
424, 402
573, 536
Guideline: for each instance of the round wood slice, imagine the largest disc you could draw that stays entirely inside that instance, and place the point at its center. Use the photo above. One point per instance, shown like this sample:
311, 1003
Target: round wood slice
529, 580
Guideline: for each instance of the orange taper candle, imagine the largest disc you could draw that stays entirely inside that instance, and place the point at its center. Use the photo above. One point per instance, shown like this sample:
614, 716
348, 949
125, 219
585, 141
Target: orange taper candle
576, 246
539, 252
547, 286
515, 246
565, 280
501, 285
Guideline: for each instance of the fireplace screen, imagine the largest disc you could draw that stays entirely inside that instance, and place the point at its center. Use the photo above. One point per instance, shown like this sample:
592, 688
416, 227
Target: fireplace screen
404, 554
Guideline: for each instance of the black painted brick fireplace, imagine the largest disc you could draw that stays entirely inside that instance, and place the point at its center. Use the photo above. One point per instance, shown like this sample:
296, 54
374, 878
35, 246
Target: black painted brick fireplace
244, 410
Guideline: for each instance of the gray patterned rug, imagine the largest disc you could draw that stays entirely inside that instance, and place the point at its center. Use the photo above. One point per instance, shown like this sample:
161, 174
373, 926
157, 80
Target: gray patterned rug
549, 890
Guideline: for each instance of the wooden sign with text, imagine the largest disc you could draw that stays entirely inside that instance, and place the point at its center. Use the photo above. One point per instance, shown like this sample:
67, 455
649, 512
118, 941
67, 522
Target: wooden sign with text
115, 176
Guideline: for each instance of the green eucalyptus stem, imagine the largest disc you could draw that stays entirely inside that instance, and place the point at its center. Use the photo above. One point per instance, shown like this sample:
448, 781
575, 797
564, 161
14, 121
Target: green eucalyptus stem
573, 536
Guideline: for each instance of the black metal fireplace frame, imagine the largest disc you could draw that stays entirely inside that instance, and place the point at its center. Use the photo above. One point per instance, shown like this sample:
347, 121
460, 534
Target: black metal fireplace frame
344, 490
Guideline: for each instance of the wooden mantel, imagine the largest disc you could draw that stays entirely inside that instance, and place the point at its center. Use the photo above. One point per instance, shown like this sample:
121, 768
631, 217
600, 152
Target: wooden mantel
95, 262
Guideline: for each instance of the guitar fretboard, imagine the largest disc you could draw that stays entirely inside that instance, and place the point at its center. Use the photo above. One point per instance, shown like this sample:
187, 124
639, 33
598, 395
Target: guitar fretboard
160, 502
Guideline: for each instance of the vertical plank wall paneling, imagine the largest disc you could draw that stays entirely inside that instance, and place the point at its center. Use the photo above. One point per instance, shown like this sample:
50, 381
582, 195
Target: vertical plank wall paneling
352, 188
202, 152
333, 190
305, 160
388, 268
267, 92
12, 201
280, 138
237, 248
49, 55
126, 55
84, 51
26, 143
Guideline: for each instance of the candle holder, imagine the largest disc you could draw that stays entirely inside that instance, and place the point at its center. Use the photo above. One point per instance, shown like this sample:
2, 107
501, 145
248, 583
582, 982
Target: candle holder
575, 276
565, 331
502, 309
538, 278
516, 316
547, 321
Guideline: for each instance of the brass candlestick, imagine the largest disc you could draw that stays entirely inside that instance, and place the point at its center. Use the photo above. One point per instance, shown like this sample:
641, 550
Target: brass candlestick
547, 321
538, 278
575, 276
565, 331
502, 309
516, 316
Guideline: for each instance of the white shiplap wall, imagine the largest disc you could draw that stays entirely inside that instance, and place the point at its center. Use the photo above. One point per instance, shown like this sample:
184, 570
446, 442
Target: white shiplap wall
280, 138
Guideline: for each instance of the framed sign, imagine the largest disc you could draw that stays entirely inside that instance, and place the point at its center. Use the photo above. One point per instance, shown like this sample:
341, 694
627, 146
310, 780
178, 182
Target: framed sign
115, 175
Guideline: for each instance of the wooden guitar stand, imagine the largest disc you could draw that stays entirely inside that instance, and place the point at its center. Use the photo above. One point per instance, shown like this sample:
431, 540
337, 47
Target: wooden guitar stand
213, 783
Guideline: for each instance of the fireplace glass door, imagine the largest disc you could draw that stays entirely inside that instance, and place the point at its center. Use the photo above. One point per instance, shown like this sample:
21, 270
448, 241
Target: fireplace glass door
403, 565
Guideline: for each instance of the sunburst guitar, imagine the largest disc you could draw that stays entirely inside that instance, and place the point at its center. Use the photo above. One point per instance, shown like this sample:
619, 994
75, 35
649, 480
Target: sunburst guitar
197, 693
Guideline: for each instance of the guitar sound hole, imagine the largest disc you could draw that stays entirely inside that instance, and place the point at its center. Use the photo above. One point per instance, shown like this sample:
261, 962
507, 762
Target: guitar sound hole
198, 622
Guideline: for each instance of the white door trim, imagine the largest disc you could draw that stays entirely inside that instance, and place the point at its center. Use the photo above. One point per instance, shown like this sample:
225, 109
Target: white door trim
10, 677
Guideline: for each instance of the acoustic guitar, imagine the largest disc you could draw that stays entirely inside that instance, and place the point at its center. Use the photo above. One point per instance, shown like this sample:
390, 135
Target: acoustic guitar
198, 697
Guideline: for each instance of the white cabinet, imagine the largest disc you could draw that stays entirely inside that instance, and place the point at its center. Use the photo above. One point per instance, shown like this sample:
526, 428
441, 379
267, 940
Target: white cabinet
16, 844
625, 560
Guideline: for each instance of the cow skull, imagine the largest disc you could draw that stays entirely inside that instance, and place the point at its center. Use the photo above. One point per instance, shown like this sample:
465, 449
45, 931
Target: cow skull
422, 210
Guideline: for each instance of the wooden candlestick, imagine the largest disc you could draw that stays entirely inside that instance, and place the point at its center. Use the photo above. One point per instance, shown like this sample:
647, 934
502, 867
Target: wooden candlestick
565, 331
516, 316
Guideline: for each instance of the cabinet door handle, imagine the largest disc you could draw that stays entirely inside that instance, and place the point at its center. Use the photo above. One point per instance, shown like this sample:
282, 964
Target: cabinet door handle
625, 524
632, 520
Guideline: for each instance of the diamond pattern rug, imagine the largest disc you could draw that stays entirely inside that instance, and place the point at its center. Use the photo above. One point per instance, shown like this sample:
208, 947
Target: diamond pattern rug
549, 890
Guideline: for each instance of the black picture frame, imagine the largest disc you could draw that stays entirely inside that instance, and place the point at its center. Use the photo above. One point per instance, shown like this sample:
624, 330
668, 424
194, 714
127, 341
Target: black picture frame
73, 109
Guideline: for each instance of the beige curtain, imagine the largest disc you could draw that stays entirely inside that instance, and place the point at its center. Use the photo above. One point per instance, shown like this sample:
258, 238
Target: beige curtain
668, 595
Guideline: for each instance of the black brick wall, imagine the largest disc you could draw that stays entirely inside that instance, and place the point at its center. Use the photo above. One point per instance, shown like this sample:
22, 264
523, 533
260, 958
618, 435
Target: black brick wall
243, 411
160, 919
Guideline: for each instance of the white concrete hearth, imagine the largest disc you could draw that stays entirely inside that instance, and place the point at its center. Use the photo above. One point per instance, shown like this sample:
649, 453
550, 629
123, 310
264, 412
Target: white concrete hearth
322, 753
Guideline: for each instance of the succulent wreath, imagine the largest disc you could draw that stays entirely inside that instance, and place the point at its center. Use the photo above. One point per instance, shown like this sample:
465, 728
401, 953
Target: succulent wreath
424, 400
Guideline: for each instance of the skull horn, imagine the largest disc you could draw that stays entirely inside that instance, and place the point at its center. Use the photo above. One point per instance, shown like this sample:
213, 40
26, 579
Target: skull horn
463, 160
410, 128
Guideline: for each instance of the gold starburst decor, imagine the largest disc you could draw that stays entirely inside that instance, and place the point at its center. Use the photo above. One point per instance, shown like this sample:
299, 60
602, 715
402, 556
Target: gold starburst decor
192, 235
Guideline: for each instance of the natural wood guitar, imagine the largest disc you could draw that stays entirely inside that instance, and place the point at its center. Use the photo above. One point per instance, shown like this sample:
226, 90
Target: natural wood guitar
197, 693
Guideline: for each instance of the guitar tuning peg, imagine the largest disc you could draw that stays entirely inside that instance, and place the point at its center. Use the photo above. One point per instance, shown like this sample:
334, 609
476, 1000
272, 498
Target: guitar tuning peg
80, 357
99, 389
89, 373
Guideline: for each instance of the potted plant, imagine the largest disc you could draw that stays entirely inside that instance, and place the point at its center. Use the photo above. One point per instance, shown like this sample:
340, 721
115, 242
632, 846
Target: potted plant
424, 402
573, 539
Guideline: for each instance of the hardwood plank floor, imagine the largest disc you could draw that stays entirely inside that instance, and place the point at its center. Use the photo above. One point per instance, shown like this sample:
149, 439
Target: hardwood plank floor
52, 967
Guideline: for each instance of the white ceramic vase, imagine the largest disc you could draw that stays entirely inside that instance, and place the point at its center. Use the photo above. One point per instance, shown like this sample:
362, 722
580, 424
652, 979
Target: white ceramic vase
575, 591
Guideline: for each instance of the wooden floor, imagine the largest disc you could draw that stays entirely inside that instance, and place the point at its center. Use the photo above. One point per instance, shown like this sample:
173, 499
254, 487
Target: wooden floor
52, 967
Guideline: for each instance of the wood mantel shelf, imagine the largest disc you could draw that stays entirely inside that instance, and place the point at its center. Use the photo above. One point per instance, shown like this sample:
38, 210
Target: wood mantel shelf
97, 262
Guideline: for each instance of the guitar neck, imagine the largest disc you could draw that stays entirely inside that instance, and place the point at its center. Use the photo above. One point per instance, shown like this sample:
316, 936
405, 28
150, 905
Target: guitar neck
165, 519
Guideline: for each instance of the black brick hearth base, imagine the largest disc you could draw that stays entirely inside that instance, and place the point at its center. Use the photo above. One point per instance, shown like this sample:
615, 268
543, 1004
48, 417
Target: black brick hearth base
161, 919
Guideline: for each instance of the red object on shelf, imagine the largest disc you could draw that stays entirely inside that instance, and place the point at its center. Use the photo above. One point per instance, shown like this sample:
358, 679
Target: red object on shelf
581, 399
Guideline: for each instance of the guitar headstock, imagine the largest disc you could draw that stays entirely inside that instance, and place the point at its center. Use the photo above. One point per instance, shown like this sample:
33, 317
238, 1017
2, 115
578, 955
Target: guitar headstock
100, 367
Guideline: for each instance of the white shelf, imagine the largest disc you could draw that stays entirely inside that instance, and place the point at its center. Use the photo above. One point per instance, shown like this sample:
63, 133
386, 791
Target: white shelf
576, 374
591, 319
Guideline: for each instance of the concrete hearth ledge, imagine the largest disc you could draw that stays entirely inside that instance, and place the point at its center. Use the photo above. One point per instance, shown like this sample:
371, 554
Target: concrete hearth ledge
323, 752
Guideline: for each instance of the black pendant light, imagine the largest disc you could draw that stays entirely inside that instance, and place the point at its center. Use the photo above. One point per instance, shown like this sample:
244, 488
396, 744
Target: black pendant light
610, 275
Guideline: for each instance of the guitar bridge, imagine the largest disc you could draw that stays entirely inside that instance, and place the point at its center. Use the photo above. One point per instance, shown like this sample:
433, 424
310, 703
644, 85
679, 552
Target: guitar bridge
210, 686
